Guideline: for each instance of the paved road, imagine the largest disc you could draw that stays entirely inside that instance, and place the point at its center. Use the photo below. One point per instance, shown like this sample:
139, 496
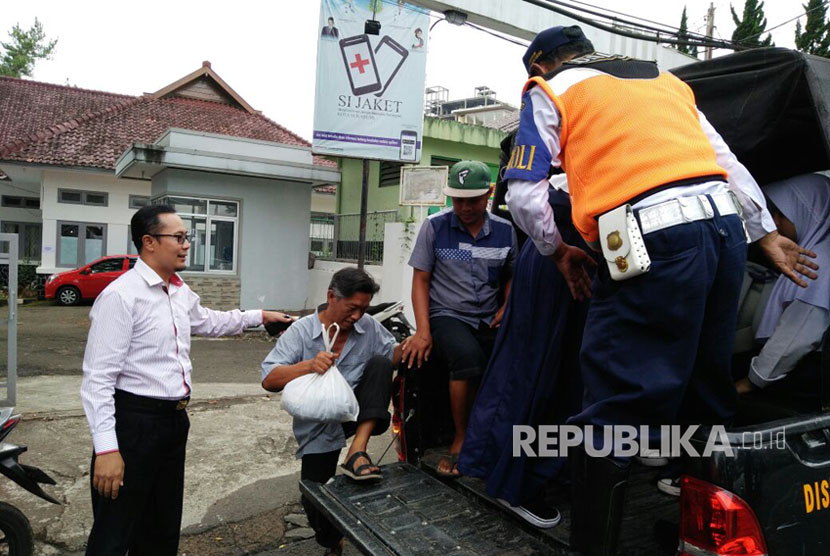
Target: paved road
241, 476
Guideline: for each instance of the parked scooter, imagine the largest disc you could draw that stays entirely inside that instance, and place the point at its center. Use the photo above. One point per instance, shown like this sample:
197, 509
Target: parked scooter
17, 539
390, 315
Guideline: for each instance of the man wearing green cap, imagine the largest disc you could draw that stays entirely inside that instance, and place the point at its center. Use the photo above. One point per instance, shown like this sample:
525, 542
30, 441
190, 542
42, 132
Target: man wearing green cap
462, 260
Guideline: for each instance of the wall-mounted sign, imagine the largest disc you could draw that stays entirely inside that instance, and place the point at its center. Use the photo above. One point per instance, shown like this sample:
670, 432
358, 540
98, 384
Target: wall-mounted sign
423, 185
369, 100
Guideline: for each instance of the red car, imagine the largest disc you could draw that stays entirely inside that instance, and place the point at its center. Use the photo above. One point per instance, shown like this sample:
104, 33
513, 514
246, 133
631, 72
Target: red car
69, 287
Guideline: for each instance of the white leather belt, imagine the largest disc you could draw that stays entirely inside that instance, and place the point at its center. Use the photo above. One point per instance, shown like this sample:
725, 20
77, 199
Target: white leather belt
685, 209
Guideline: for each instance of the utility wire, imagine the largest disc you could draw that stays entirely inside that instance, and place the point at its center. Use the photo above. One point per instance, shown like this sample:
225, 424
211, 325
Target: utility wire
640, 36
627, 15
508, 39
664, 28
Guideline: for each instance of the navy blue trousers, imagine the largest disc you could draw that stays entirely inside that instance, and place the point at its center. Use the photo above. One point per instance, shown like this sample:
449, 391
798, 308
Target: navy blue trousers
657, 348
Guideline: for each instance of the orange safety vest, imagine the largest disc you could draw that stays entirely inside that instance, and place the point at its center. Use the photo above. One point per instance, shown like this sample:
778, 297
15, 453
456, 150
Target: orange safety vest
620, 137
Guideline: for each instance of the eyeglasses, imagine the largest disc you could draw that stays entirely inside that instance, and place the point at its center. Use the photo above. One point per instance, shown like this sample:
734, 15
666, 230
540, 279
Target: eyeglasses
180, 238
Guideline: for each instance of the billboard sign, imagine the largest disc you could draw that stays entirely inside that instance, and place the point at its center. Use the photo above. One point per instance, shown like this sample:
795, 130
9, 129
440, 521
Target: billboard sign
369, 100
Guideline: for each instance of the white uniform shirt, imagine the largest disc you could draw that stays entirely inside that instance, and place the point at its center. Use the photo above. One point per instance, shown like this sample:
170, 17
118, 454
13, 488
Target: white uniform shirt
139, 342
528, 201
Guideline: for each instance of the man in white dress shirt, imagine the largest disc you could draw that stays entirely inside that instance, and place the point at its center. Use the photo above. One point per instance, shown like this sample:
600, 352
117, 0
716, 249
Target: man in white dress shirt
136, 385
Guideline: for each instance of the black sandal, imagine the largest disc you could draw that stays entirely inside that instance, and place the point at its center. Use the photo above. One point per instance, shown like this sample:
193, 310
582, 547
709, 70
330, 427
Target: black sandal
355, 474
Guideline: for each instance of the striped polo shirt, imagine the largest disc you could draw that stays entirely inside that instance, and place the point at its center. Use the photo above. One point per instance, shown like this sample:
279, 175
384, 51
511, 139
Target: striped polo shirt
467, 271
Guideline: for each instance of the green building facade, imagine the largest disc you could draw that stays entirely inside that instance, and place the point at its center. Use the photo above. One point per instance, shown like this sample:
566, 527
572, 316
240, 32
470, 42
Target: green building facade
444, 143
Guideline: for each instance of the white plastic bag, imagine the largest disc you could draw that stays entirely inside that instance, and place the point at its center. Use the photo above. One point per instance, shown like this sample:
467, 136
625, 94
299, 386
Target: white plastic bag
323, 397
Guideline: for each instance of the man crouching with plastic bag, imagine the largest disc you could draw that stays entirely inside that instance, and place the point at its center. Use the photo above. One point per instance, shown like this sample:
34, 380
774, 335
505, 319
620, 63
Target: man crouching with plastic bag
364, 353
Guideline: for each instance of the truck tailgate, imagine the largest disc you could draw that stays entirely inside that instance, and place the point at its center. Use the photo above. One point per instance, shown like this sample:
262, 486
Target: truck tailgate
412, 513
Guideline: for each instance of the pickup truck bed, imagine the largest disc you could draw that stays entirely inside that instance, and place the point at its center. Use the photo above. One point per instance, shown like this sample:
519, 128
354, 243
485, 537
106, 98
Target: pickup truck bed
411, 512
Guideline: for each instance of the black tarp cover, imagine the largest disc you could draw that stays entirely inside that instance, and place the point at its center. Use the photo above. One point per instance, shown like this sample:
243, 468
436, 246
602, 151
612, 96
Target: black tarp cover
771, 107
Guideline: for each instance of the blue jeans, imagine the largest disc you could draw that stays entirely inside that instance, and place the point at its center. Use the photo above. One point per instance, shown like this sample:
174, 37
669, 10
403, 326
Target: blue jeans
657, 348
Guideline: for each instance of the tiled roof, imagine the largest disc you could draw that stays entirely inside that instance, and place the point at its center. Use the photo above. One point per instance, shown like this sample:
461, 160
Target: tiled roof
66, 126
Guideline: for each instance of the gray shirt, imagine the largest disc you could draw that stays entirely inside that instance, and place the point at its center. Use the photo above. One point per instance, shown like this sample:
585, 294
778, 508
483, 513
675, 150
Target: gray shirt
466, 271
799, 332
304, 340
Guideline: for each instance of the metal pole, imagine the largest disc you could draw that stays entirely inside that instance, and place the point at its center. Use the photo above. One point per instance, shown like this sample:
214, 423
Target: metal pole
364, 201
710, 29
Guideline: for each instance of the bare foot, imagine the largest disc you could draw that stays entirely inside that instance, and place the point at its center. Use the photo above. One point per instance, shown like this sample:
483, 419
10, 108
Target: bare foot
448, 465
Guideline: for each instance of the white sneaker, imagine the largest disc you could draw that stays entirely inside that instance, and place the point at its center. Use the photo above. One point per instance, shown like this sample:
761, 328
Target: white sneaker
669, 486
537, 514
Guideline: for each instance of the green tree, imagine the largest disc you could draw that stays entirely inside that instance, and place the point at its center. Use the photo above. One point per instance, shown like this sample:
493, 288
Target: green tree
816, 36
683, 35
24, 50
748, 30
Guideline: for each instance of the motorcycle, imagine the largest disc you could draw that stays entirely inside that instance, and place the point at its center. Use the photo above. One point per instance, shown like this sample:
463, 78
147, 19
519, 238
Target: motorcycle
18, 539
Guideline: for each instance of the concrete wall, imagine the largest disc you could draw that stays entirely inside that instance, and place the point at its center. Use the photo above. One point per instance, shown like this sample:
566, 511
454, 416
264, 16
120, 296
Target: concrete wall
444, 138
397, 274
20, 190
116, 215
272, 262
324, 202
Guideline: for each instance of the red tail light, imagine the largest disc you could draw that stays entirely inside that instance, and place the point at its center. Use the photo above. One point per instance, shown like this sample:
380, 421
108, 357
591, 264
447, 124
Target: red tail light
715, 522
397, 417
13, 420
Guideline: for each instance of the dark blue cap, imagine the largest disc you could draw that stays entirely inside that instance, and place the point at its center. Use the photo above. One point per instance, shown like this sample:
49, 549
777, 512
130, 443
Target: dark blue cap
549, 40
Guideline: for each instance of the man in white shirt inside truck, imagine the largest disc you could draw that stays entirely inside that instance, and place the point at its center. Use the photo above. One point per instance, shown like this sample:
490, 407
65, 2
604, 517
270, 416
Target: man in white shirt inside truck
137, 384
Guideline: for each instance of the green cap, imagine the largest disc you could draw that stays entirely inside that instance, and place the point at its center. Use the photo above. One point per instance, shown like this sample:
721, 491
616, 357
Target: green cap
468, 178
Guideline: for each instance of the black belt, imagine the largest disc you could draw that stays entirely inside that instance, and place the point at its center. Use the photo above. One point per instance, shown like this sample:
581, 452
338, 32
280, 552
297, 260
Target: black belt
127, 400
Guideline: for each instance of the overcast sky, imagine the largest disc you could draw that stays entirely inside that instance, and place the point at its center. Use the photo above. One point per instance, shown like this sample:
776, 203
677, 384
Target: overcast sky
266, 50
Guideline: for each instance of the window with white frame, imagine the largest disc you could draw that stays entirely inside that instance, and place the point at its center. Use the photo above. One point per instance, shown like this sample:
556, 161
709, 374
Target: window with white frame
15, 201
138, 201
80, 243
78, 197
214, 226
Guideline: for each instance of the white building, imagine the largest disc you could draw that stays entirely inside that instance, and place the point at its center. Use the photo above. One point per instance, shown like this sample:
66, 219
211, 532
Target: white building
75, 164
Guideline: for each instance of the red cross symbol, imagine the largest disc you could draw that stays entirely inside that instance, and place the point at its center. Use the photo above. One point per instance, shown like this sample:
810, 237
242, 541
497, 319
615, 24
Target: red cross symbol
359, 63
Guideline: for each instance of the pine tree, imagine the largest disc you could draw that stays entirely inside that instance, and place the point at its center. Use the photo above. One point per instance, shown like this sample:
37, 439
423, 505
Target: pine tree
26, 47
748, 30
816, 36
683, 34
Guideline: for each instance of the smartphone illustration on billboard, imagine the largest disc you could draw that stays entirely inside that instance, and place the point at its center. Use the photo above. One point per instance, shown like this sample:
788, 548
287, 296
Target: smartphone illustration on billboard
360, 64
409, 144
390, 56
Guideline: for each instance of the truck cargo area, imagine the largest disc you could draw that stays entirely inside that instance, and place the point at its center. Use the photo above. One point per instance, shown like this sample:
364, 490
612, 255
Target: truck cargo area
413, 512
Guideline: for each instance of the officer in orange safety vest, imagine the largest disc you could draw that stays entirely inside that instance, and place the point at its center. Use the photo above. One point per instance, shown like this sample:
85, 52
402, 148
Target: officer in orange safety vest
678, 209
